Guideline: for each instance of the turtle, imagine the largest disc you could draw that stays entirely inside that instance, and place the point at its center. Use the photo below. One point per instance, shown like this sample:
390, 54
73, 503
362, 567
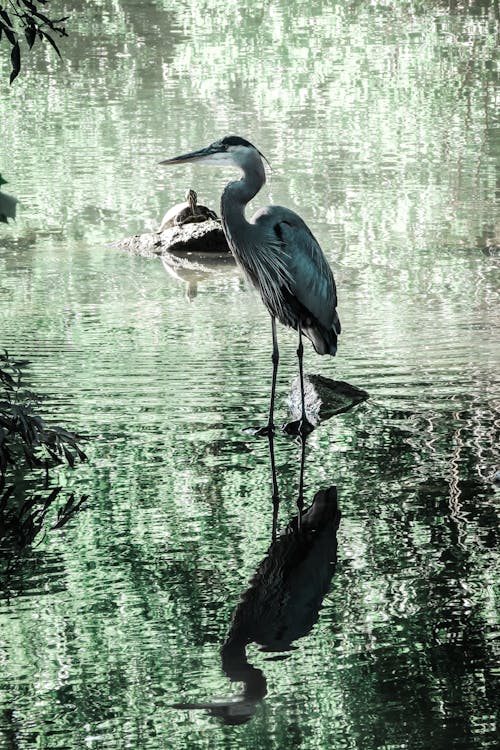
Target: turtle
186, 213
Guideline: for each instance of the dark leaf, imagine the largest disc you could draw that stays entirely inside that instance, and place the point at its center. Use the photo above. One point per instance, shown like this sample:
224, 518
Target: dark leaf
79, 504
42, 16
28, 504
69, 457
54, 456
36, 422
81, 455
3, 500
69, 510
51, 41
30, 457
9, 33
30, 5
50, 499
60, 30
51, 23
4, 15
15, 59
30, 34
7, 377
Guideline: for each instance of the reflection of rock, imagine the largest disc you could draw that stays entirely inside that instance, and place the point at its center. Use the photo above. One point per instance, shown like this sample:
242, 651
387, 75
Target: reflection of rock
281, 604
191, 268
204, 237
323, 397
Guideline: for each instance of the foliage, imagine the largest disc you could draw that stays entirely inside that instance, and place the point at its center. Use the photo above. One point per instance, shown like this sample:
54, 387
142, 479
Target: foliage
24, 18
20, 525
27, 443
23, 433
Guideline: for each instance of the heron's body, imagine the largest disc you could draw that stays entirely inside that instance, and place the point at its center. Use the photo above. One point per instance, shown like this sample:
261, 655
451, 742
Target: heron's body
277, 252
290, 272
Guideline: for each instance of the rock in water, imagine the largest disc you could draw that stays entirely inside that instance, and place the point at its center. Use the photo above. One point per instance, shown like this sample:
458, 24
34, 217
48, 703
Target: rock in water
323, 398
199, 237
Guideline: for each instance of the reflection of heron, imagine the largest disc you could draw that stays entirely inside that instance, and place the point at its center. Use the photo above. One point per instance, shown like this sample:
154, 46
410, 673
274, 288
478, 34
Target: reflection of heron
186, 213
278, 254
287, 589
281, 604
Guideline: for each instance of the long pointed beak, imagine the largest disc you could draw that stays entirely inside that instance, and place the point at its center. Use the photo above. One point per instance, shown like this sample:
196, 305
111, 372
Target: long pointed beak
203, 154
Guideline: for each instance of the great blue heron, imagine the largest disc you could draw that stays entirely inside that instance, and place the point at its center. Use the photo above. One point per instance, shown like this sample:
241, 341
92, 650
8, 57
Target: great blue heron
279, 255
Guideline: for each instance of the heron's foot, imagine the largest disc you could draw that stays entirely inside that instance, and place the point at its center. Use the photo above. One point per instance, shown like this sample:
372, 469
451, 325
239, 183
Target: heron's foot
266, 431
301, 427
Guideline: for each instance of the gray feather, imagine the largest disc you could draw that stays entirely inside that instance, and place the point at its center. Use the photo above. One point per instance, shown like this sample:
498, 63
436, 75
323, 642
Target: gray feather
311, 279
312, 297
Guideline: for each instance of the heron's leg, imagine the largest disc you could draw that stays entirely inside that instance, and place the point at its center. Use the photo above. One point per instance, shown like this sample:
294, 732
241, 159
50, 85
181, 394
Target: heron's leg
275, 359
302, 426
300, 498
276, 496
305, 426
300, 355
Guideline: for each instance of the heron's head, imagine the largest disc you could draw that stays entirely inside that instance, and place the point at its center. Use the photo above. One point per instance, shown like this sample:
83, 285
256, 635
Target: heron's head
231, 150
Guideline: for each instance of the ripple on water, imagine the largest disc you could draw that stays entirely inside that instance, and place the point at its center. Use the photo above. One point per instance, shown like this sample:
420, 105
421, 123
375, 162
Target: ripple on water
109, 621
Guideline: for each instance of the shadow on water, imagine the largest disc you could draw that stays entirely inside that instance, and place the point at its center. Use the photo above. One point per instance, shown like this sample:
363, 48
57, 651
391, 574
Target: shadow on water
282, 602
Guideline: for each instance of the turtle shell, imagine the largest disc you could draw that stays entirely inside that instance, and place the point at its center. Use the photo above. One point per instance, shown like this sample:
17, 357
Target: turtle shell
186, 216
187, 212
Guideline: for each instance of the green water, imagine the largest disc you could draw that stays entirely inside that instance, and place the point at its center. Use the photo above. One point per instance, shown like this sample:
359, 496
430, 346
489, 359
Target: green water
379, 122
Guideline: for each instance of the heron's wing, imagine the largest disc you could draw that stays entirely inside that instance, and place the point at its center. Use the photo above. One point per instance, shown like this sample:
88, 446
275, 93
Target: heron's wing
311, 278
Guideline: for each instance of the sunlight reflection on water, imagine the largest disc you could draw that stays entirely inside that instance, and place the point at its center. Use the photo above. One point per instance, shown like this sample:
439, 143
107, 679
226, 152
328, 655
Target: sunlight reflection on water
377, 121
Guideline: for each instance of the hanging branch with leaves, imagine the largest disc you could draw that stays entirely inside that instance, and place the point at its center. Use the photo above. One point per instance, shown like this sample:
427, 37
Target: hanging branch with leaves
26, 443
24, 436
20, 18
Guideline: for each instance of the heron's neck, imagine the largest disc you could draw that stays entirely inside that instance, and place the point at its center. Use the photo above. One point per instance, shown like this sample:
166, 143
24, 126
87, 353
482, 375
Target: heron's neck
234, 199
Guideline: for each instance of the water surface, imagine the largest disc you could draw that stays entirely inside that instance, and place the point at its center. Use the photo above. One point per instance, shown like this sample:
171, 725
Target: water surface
378, 120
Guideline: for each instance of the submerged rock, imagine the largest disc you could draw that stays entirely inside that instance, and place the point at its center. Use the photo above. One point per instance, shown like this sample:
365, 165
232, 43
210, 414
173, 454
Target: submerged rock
198, 237
323, 398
